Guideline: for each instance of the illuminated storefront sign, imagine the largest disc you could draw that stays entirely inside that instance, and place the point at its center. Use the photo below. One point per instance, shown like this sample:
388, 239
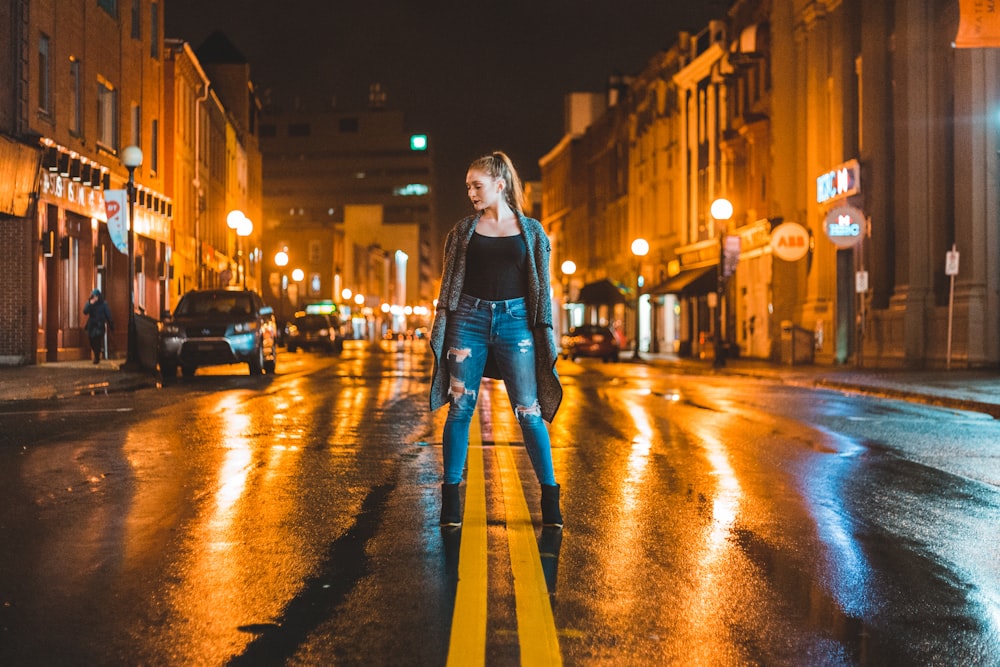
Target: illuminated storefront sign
790, 241
841, 181
845, 226
77, 197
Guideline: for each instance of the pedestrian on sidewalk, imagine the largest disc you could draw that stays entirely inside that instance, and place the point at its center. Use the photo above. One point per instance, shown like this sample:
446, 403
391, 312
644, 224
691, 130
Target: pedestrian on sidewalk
494, 319
98, 322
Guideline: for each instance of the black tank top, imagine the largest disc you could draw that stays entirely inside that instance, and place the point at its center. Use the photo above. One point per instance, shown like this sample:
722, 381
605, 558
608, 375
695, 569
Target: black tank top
496, 267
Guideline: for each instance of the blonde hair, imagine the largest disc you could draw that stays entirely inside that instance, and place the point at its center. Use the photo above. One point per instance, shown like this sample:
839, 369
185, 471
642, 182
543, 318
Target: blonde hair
498, 165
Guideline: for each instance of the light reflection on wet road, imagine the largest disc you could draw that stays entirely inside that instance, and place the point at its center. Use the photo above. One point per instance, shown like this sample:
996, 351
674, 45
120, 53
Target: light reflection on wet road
292, 519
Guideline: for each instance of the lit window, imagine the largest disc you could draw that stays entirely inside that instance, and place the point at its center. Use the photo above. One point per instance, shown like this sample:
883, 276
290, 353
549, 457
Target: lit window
107, 106
411, 190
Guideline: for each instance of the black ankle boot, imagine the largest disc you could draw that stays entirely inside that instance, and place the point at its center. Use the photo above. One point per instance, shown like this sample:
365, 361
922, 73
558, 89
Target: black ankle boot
551, 516
451, 505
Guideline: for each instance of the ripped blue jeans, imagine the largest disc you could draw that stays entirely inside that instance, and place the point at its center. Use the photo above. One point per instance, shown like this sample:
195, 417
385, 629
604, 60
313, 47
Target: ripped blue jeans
474, 329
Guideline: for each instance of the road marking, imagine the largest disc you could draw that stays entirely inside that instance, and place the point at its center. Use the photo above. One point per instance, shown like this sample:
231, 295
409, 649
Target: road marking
468, 622
536, 626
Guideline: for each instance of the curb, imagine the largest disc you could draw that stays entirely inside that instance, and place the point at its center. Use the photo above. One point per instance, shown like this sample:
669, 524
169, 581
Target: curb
991, 409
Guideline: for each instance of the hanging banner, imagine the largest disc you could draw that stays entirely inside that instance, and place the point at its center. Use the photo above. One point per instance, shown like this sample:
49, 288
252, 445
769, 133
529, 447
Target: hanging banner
730, 254
116, 205
978, 24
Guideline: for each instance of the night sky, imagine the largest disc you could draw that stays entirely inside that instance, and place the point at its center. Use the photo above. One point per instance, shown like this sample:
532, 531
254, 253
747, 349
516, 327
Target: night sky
473, 76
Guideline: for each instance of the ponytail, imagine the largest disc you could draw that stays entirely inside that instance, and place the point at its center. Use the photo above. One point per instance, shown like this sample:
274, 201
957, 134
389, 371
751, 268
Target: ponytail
498, 165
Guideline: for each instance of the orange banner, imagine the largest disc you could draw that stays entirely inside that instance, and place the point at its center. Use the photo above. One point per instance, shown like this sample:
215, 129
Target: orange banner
978, 25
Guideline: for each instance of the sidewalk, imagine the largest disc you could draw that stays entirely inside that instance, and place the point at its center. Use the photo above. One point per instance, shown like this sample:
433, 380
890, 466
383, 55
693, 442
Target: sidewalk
978, 391
975, 390
69, 378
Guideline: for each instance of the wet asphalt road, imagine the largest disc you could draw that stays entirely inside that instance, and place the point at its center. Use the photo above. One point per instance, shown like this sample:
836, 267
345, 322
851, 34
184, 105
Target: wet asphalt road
292, 519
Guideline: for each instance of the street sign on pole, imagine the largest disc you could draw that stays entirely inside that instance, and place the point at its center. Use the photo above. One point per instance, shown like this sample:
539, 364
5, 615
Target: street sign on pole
951, 262
861, 282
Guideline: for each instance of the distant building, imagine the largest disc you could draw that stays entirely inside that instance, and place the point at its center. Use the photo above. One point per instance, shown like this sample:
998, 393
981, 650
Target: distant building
215, 165
318, 163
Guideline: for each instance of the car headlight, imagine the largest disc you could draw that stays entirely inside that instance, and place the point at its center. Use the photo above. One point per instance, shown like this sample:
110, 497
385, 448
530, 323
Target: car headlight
245, 327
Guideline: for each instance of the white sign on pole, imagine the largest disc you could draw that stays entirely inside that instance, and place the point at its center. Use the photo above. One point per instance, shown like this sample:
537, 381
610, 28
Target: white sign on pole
951, 262
116, 205
861, 282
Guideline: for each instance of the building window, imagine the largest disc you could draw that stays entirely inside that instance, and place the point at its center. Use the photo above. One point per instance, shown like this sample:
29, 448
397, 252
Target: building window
299, 130
154, 30
348, 124
268, 131
44, 84
315, 252
136, 19
76, 114
107, 114
110, 6
154, 148
135, 132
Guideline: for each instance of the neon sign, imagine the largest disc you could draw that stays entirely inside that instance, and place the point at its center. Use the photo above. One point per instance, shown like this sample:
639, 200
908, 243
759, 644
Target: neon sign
841, 181
845, 226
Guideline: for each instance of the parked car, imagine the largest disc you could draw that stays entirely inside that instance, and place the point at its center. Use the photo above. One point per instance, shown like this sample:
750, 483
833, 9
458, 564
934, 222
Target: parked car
218, 326
590, 340
314, 331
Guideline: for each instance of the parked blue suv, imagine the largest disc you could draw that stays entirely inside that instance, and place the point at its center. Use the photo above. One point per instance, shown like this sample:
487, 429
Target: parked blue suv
218, 326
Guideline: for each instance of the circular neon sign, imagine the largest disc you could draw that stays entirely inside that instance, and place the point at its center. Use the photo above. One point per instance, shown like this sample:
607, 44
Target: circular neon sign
845, 226
790, 241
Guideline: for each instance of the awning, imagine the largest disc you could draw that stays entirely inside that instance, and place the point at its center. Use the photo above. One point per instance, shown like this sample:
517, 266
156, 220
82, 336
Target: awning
18, 176
600, 293
693, 281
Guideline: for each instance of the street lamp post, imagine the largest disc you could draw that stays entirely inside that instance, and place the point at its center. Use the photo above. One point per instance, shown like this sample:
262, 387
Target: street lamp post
243, 230
721, 211
132, 159
640, 247
281, 261
298, 275
568, 269
236, 220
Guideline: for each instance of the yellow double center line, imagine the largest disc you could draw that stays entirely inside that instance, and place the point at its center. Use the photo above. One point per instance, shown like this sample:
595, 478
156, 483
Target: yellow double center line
536, 626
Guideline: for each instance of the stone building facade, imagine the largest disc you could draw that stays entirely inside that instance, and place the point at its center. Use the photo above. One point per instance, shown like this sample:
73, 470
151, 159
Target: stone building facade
858, 147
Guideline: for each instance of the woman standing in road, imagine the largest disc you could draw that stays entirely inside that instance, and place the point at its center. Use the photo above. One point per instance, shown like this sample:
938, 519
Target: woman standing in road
494, 318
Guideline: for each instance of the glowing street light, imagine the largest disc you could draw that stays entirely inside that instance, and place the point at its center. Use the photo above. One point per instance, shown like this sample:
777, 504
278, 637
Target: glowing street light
721, 211
281, 261
132, 159
243, 230
640, 248
568, 268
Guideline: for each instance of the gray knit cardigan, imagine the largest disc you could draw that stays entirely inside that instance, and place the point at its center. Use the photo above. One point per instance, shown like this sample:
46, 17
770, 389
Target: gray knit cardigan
539, 301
